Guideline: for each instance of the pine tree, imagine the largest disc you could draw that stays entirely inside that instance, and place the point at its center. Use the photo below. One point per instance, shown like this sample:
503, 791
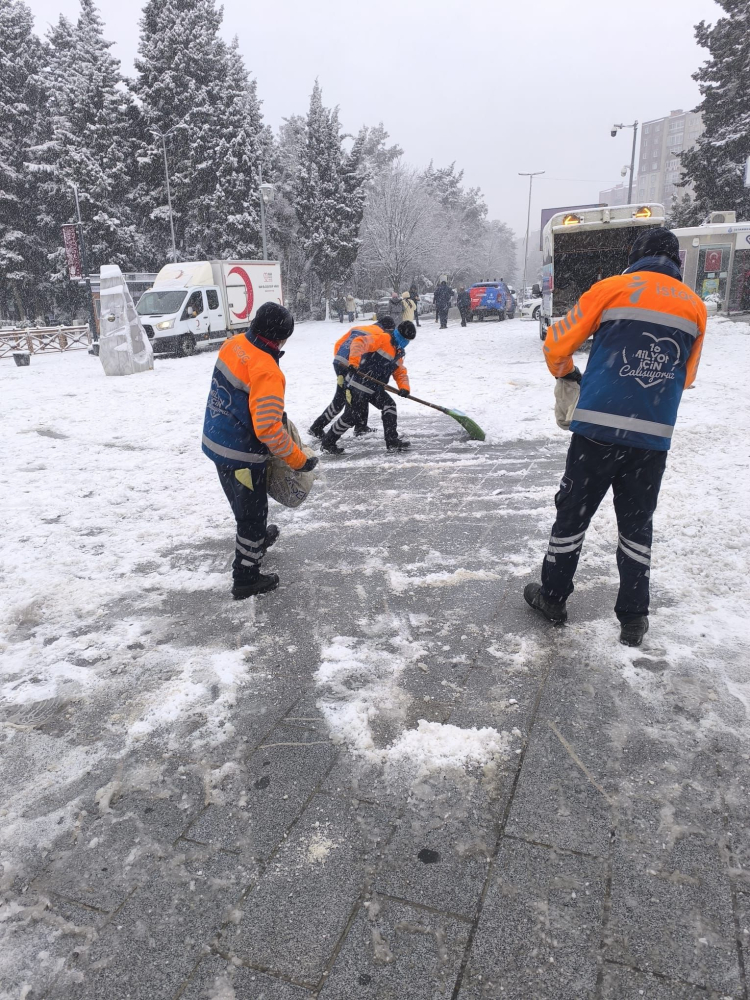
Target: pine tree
88, 146
181, 71
716, 165
235, 229
328, 197
21, 112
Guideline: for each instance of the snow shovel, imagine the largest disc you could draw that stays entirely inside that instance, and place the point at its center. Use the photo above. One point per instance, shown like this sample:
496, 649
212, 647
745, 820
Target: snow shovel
473, 429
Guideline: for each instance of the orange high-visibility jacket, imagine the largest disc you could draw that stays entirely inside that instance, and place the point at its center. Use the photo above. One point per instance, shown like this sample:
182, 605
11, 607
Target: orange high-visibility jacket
649, 330
374, 353
245, 409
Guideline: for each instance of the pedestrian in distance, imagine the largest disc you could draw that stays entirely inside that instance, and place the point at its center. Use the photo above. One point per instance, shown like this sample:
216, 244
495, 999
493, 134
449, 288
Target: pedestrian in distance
463, 301
414, 296
395, 307
380, 355
443, 297
341, 351
351, 307
408, 307
244, 425
648, 329
340, 308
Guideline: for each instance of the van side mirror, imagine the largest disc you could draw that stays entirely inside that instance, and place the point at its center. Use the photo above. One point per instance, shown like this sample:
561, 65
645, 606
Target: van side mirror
536, 291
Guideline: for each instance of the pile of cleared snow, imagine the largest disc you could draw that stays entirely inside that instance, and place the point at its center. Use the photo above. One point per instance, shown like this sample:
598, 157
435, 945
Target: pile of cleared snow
360, 682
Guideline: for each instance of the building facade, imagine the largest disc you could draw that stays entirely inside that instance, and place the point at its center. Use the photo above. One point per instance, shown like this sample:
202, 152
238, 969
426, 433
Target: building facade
617, 195
659, 169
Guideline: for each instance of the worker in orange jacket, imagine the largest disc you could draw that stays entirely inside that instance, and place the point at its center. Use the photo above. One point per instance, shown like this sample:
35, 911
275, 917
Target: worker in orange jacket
374, 357
648, 330
341, 351
244, 425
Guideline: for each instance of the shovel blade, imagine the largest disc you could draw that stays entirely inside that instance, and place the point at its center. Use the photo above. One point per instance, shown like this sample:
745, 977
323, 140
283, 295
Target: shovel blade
473, 429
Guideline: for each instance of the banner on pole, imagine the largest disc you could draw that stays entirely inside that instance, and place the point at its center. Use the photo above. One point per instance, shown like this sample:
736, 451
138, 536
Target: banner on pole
72, 252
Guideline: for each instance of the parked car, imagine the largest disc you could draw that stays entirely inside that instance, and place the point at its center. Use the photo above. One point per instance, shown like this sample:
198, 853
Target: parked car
489, 298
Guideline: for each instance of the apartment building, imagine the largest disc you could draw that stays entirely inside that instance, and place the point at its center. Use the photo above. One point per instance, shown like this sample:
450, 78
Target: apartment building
658, 164
617, 195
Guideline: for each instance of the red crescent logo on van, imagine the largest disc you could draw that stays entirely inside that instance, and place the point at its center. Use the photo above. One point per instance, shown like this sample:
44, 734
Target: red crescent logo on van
248, 291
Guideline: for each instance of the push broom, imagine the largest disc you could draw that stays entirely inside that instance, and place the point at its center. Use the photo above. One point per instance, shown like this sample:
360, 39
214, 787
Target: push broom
473, 429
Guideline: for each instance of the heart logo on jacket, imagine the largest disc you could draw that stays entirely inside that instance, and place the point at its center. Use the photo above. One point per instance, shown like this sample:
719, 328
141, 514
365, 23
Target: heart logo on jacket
653, 363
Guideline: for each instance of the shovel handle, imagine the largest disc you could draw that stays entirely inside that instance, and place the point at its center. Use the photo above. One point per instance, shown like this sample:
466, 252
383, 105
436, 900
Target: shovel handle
395, 392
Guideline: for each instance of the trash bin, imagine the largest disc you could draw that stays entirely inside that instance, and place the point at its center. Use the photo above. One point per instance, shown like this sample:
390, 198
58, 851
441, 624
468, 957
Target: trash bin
22, 358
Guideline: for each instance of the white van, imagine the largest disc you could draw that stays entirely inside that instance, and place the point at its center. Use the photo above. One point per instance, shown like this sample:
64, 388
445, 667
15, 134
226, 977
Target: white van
197, 304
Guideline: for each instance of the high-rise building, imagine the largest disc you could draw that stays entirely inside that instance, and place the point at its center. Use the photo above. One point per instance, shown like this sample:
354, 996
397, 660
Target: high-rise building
659, 167
617, 195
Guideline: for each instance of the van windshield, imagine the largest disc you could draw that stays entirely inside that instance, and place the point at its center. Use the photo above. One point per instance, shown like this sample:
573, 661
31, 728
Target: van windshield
157, 303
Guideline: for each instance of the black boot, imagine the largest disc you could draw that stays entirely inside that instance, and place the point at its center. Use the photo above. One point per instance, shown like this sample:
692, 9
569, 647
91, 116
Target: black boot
260, 583
398, 445
359, 431
557, 613
329, 444
632, 632
272, 533
317, 430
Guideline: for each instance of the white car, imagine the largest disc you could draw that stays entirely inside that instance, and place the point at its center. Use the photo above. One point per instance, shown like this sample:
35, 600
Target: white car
531, 309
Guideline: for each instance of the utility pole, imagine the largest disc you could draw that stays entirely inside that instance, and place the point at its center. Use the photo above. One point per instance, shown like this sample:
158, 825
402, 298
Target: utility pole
163, 136
613, 133
531, 177
84, 267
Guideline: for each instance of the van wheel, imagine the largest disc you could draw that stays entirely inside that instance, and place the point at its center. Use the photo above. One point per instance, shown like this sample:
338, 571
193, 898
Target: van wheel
542, 328
500, 316
186, 346
537, 313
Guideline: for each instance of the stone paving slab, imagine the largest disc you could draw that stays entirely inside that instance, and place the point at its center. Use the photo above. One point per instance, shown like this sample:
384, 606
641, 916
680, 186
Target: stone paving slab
214, 976
395, 951
538, 933
622, 983
672, 913
292, 920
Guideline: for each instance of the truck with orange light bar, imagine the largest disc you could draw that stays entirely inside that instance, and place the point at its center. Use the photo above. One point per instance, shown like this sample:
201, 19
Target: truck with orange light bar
583, 246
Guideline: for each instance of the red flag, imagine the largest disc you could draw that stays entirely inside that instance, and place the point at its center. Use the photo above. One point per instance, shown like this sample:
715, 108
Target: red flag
72, 252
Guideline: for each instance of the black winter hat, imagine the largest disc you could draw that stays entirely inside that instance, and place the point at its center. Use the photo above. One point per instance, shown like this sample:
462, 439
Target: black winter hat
407, 329
656, 243
273, 322
387, 323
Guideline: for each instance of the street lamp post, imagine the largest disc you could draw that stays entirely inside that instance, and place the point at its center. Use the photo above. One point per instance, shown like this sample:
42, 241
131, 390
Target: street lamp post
266, 195
84, 267
528, 220
613, 133
163, 136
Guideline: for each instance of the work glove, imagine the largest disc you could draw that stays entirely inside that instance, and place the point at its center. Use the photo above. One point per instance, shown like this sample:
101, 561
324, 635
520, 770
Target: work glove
574, 376
310, 464
403, 392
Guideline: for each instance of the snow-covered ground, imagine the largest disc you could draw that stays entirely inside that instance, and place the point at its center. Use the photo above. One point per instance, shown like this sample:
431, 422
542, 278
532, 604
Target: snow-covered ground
104, 480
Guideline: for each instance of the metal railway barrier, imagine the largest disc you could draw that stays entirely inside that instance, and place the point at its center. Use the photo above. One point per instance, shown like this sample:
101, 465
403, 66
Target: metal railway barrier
44, 339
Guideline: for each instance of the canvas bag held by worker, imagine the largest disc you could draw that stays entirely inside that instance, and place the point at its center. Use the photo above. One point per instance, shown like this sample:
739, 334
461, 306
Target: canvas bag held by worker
285, 485
566, 400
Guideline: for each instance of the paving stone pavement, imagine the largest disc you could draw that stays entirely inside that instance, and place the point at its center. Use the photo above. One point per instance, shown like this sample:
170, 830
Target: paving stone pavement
605, 856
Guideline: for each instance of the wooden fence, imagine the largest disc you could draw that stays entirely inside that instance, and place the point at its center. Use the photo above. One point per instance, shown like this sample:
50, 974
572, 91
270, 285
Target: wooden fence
44, 340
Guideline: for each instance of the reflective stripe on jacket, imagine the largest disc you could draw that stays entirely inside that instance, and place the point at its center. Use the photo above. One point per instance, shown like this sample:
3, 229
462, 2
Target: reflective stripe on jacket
245, 408
375, 354
648, 333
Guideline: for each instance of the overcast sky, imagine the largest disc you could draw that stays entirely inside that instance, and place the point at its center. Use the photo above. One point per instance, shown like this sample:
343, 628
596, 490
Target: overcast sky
497, 87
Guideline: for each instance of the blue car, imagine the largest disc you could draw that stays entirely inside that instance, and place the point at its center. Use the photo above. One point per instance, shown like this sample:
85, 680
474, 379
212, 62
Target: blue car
490, 298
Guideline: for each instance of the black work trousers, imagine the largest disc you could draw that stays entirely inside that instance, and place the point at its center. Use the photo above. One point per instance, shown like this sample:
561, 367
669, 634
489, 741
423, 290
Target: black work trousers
442, 315
635, 476
335, 407
355, 413
245, 490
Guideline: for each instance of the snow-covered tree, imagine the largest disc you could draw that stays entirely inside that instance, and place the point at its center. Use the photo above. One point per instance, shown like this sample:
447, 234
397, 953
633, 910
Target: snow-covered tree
22, 256
328, 197
402, 231
179, 79
236, 229
716, 164
88, 146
